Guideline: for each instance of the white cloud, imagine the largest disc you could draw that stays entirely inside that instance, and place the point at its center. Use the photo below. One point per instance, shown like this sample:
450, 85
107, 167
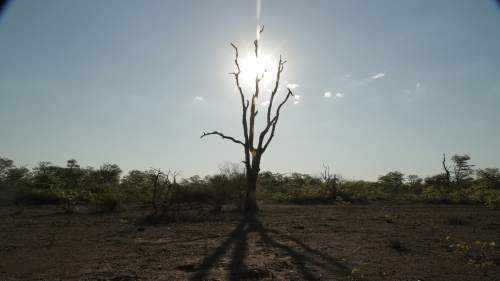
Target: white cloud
265, 103
339, 95
292, 85
418, 85
296, 102
198, 99
348, 75
296, 97
327, 95
378, 76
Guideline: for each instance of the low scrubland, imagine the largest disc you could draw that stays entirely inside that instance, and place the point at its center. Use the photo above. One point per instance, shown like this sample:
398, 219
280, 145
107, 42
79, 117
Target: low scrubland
105, 189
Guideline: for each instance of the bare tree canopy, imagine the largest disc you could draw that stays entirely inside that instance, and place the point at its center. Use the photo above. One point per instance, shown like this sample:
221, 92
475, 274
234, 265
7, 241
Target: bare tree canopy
254, 148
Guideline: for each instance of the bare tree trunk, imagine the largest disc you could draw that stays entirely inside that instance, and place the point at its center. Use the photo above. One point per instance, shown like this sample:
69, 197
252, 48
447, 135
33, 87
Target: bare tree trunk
252, 177
251, 198
254, 153
446, 170
156, 183
334, 188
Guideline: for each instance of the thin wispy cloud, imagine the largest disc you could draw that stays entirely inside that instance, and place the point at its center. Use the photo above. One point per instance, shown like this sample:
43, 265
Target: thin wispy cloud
418, 85
265, 103
296, 97
378, 76
198, 99
327, 95
292, 85
339, 95
367, 80
296, 102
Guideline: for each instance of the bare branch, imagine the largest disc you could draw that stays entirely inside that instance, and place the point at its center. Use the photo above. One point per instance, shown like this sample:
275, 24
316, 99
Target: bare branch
446, 169
275, 119
253, 112
256, 41
222, 136
275, 90
244, 106
236, 57
270, 122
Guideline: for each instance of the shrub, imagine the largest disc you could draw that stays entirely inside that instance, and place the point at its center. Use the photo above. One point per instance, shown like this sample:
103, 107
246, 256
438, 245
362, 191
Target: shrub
492, 199
226, 189
109, 200
32, 196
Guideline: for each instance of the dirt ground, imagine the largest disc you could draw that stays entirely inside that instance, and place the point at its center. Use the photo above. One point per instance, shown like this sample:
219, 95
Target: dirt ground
283, 242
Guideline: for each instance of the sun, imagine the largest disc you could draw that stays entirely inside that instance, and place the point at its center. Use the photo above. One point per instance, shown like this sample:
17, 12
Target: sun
252, 67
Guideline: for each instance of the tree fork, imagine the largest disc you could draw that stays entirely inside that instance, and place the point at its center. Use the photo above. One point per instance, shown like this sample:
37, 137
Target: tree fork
253, 155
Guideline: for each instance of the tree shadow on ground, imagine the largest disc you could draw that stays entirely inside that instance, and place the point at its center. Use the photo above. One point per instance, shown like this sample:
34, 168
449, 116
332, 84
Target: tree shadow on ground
304, 257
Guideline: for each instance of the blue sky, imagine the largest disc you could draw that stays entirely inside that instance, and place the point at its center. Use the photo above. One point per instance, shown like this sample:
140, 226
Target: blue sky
117, 81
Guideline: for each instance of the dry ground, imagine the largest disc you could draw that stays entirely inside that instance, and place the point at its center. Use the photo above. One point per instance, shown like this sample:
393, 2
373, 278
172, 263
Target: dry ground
350, 242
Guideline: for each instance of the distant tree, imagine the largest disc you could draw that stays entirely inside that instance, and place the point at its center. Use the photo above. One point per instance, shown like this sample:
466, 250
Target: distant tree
438, 182
413, 179
137, 179
72, 173
331, 181
17, 174
232, 169
195, 180
43, 167
109, 173
157, 176
446, 168
72, 164
392, 181
392, 178
253, 151
5, 166
12, 175
489, 177
44, 176
414, 183
461, 168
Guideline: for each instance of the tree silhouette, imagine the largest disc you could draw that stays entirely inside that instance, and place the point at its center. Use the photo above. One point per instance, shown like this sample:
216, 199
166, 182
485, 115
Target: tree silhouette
254, 150
461, 168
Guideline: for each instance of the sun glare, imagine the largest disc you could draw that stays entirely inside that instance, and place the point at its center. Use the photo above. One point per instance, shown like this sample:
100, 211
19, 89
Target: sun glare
252, 67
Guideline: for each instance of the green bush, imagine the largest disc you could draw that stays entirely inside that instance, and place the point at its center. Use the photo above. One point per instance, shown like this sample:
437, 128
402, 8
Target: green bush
108, 200
33, 196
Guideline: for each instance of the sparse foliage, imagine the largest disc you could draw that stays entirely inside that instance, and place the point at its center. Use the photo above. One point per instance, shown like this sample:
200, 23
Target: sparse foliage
462, 169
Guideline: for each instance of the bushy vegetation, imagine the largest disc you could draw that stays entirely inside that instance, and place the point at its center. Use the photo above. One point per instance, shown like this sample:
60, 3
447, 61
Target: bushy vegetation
459, 183
104, 188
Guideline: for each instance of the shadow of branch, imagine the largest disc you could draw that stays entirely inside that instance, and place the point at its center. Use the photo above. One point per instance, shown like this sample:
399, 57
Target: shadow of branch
303, 256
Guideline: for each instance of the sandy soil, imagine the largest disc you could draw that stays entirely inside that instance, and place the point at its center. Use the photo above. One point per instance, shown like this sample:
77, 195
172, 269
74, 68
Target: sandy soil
283, 242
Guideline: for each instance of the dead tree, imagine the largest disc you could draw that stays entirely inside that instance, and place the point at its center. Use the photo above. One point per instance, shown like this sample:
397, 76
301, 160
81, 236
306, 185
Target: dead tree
330, 181
446, 170
155, 174
252, 147
162, 189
